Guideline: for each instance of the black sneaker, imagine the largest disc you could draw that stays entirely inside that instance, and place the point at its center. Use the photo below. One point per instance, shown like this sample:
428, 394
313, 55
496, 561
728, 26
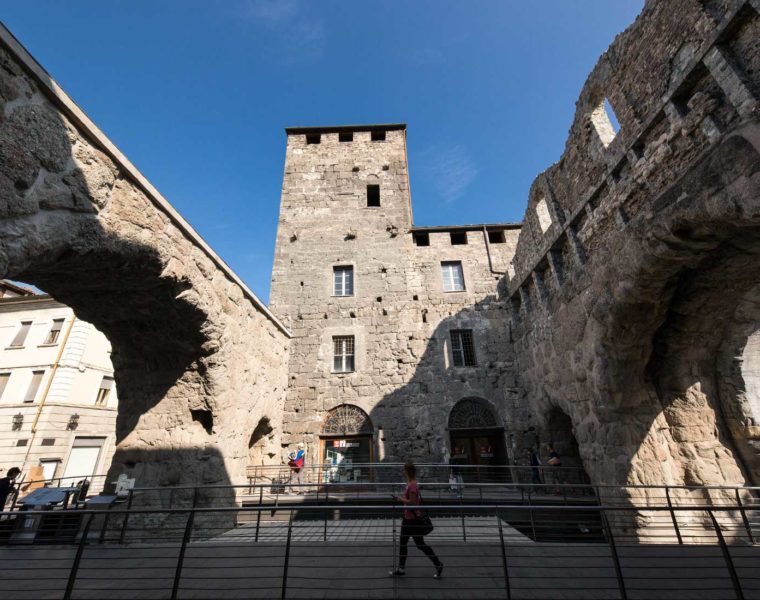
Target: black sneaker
438, 571
397, 573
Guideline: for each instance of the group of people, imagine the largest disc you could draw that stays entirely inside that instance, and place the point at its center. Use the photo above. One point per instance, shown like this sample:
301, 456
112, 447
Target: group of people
536, 470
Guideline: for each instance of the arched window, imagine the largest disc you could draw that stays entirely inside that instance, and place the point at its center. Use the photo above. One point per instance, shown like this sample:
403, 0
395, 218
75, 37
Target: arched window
347, 419
472, 413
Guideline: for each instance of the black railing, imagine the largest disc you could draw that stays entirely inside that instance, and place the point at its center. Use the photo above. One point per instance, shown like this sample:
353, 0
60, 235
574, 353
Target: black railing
348, 550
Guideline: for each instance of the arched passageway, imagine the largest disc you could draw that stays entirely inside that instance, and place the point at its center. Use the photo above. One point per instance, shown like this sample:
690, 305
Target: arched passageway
197, 358
559, 434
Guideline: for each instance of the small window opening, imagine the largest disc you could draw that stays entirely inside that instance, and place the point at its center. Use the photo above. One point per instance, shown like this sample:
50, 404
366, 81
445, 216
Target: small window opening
373, 195
463, 348
421, 239
55, 332
313, 138
346, 136
378, 136
496, 237
458, 238
605, 122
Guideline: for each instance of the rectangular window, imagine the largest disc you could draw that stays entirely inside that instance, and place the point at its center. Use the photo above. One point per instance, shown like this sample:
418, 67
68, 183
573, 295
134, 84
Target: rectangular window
4, 378
462, 348
496, 237
49, 467
55, 331
453, 279
421, 238
343, 354
458, 238
313, 138
343, 281
34, 385
373, 195
346, 136
378, 136
106, 385
18, 341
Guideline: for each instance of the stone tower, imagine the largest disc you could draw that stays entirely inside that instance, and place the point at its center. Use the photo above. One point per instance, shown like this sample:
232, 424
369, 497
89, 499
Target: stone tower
380, 310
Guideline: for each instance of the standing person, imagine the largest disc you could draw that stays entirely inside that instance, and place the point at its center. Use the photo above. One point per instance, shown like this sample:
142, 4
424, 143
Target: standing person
554, 461
296, 464
412, 525
7, 485
535, 465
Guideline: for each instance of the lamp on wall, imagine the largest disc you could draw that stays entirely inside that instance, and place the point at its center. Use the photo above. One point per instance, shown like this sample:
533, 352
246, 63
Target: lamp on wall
73, 422
18, 421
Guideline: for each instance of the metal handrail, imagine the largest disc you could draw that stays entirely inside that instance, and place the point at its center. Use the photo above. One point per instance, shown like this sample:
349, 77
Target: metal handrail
604, 512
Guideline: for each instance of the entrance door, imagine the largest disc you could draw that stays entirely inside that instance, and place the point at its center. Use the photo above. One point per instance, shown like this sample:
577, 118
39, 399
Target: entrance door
342, 457
485, 450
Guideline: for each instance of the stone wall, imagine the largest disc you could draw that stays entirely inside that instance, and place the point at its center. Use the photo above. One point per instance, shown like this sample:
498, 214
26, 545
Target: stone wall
631, 310
198, 359
399, 314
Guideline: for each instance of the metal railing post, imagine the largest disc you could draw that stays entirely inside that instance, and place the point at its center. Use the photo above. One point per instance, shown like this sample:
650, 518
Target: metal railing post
77, 560
504, 557
123, 532
673, 515
284, 589
747, 525
181, 556
258, 512
395, 553
727, 557
615, 557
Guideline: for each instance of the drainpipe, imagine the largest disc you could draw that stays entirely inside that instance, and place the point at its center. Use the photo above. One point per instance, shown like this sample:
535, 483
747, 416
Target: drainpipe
488, 253
48, 385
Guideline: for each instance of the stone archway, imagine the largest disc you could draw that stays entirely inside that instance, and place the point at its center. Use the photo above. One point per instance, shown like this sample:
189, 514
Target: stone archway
346, 444
197, 358
559, 433
476, 435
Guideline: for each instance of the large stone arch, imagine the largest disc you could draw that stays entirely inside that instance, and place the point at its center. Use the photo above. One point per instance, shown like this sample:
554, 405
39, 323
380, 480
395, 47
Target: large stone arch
198, 359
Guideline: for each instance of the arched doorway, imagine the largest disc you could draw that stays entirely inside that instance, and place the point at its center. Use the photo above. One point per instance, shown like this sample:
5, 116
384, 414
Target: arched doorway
559, 428
477, 438
346, 444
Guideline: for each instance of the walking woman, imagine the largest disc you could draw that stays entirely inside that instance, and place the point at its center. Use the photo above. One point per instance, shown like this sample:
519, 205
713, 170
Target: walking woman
413, 525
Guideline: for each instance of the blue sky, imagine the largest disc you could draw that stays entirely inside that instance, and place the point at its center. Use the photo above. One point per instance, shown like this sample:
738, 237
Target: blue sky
197, 95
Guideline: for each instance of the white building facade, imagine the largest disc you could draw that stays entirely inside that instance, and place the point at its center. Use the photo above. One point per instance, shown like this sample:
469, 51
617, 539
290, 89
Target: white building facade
57, 394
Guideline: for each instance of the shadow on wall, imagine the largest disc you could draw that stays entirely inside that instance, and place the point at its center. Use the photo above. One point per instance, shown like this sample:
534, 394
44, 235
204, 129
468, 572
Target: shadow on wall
73, 225
414, 419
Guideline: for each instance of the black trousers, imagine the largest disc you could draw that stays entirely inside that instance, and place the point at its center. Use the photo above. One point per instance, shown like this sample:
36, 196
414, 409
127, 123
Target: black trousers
409, 529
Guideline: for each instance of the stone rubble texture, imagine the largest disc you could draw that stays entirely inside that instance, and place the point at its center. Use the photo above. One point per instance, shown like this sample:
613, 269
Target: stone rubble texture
628, 307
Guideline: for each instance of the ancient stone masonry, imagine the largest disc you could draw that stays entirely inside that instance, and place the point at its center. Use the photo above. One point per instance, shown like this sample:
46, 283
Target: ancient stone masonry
198, 360
635, 304
397, 313
621, 318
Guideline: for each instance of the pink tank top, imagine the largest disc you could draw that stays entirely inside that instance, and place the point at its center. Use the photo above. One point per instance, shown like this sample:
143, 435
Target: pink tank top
412, 488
